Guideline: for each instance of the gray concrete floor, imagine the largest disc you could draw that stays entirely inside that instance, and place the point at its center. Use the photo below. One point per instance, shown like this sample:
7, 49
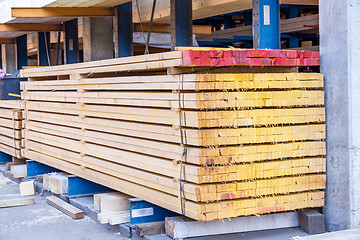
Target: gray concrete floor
43, 222
278, 234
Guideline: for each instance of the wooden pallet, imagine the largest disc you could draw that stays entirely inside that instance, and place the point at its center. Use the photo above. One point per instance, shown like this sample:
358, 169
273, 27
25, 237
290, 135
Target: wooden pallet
210, 146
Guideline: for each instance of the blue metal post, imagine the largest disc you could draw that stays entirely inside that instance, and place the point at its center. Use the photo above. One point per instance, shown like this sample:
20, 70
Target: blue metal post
4, 158
181, 18
228, 22
1, 64
294, 12
44, 48
266, 24
21, 51
247, 17
71, 42
125, 30
294, 38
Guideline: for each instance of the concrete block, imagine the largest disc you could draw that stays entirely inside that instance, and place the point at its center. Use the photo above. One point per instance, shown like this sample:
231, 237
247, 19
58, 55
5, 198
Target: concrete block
125, 230
182, 227
27, 188
312, 221
152, 228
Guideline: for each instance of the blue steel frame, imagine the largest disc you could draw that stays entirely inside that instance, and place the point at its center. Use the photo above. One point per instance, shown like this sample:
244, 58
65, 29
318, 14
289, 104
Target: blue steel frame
125, 29
71, 42
5, 158
44, 48
79, 187
21, 51
266, 24
147, 212
35, 168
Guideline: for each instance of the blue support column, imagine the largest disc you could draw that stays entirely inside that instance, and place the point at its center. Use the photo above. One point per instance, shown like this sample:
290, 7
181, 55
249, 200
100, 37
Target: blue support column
1, 64
228, 22
294, 12
294, 41
35, 168
125, 30
181, 23
71, 42
5, 158
266, 24
44, 49
21, 51
247, 17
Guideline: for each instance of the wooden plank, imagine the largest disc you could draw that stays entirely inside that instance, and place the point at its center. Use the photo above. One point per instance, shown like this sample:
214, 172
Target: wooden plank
114, 218
5, 203
18, 27
104, 65
202, 156
65, 207
119, 219
114, 203
19, 171
10, 104
160, 198
255, 117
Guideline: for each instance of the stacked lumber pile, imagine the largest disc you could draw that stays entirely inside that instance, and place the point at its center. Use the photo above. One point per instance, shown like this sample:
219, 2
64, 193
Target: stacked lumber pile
10, 127
209, 146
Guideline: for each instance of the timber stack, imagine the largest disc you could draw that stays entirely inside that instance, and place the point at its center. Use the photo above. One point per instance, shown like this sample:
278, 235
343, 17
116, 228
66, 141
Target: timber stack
10, 127
198, 131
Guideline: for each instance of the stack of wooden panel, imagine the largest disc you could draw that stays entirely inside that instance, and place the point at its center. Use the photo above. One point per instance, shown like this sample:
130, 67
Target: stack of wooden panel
10, 127
210, 146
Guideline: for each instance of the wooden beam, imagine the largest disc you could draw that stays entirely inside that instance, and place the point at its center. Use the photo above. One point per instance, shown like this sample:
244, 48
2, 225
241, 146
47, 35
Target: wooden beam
300, 2
166, 28
16, 202
299, 24
15, 27
61, 12
7, 41
65, 207
201, 9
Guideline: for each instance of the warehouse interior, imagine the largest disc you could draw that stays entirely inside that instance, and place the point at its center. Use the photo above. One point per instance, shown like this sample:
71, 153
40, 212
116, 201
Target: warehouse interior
181, 119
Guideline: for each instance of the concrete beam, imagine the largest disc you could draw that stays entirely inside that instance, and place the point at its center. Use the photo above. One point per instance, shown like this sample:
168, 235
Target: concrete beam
340, 51
8, 52
98, 38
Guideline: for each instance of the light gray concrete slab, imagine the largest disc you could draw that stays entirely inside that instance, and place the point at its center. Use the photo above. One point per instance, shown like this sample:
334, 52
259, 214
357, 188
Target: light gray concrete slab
353, 234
